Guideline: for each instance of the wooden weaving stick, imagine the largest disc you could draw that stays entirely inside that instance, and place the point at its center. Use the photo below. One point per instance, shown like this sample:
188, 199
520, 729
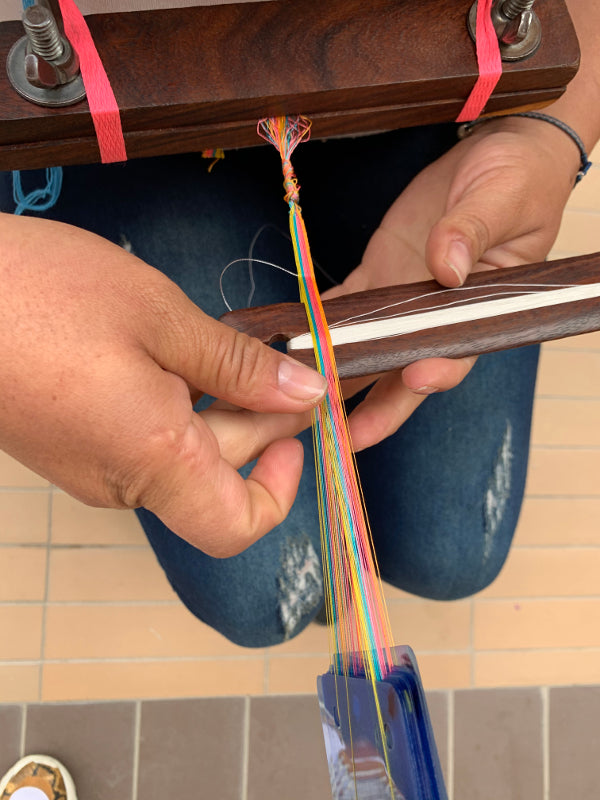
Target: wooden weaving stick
188, 79
285, 321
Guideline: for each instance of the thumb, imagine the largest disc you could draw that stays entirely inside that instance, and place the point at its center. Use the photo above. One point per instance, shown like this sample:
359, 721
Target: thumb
230, 365
481, 218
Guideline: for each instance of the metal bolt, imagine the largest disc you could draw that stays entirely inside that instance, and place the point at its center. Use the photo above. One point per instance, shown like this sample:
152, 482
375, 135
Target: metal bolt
42, 66
517, 27
514, 8
43, 34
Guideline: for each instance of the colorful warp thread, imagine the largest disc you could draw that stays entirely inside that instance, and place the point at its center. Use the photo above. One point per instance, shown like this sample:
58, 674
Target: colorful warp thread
215, 156
488, 60
361, 639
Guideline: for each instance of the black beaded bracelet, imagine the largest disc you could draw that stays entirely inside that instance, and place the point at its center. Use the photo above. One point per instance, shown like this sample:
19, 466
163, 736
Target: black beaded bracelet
466, 128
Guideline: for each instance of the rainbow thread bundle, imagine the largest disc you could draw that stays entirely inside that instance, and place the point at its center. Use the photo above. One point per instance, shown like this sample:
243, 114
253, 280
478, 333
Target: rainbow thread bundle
378, 736
361, 637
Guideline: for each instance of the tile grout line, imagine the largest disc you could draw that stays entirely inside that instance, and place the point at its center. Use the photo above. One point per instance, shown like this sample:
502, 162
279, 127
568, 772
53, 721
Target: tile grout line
22, 738
472, 649
245, 749
450, 747
46, 594
137, 724
266, 669
545, 692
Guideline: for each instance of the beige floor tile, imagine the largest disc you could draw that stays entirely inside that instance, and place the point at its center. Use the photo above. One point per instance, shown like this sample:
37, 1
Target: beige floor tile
548, 572
152, 679
23, 573
430, 625
537, 668
567, 521
298, 675
566, 422
111, 574
579, 232
295, 674
586, 341
314, 639
530, 624
24, 517
569, 374
19, 683
445, 670
134, 631
563, 472
20, 632
392, 593
14, 474
75, 523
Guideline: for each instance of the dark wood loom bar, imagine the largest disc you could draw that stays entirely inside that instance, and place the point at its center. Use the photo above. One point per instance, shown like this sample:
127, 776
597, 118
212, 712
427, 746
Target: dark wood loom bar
287, 320
187, 79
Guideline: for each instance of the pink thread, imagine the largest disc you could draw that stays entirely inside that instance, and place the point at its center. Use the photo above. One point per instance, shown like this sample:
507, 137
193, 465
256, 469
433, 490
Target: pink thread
101, 98
489, 63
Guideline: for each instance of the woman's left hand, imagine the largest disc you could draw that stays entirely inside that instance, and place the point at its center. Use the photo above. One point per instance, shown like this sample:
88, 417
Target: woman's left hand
494, 200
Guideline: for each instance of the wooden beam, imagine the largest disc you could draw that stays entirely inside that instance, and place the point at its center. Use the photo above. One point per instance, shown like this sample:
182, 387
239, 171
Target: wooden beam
191, 78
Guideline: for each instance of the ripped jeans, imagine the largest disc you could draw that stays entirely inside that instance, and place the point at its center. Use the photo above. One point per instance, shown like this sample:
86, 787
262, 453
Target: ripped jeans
443, 494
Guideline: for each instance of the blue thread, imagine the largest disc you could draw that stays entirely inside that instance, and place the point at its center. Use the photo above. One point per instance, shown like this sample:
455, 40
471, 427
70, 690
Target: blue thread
38, 199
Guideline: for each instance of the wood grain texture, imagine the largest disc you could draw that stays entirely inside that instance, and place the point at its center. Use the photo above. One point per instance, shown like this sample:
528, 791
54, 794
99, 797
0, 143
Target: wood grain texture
191, 78
286, 320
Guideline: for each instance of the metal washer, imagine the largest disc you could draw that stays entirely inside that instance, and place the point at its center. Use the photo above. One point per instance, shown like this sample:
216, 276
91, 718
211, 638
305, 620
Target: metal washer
66, 94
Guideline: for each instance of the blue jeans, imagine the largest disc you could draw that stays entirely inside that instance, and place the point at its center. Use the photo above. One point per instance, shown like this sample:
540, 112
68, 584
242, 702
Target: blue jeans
443, 493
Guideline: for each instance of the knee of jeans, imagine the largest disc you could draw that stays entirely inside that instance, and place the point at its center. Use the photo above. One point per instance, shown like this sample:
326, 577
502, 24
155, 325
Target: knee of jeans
252, 622
260, 605
444, 575
454, 550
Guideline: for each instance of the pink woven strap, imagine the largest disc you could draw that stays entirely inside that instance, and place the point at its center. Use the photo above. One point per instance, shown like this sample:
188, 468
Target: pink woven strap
488, 60
101, 98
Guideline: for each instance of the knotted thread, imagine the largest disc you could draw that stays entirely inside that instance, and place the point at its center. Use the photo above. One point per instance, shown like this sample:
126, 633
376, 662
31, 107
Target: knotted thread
285, 134
290, 182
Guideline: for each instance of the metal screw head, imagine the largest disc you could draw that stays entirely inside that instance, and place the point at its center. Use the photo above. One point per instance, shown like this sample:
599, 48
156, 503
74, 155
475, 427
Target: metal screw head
43, 32
518, 36
42, 66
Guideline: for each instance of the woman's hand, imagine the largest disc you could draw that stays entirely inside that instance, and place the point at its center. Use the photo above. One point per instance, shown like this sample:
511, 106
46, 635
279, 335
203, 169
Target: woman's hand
101, 357
494, 200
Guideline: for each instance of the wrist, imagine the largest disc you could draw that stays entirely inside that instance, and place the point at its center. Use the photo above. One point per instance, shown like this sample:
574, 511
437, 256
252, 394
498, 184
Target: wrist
565, 149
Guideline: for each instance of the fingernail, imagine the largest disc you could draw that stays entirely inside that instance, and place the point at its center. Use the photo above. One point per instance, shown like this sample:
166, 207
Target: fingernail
300, 382
426, 390
459, 260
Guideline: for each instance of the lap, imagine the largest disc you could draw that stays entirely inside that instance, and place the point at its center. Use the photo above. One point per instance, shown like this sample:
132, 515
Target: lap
443, 494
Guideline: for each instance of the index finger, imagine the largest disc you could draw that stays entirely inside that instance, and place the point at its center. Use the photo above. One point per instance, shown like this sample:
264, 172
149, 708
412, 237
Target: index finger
199, 495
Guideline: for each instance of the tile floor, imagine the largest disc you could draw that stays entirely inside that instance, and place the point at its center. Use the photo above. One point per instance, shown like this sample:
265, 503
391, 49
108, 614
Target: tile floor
494, 744
86, 614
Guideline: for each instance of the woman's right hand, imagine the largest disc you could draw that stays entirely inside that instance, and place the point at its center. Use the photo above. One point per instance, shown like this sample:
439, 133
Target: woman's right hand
102, 356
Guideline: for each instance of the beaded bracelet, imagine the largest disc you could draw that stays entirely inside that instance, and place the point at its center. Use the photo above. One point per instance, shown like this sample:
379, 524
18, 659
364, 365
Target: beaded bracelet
466, 128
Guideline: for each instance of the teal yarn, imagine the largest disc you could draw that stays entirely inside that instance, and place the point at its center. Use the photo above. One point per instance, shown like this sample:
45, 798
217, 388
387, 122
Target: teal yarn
38, 199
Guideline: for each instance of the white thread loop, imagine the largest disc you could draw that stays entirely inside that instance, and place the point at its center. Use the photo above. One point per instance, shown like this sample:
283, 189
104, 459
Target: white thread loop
402, 325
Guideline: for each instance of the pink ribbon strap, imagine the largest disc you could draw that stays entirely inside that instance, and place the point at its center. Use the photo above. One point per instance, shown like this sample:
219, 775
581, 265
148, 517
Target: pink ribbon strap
101, 98
488, 60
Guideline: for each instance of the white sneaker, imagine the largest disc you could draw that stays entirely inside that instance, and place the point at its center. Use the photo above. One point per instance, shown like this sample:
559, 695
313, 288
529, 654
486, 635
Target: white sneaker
37, 778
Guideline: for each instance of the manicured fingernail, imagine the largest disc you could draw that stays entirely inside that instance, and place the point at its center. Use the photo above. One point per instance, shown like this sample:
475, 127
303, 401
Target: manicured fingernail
459, 260
426, 390
300, 382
